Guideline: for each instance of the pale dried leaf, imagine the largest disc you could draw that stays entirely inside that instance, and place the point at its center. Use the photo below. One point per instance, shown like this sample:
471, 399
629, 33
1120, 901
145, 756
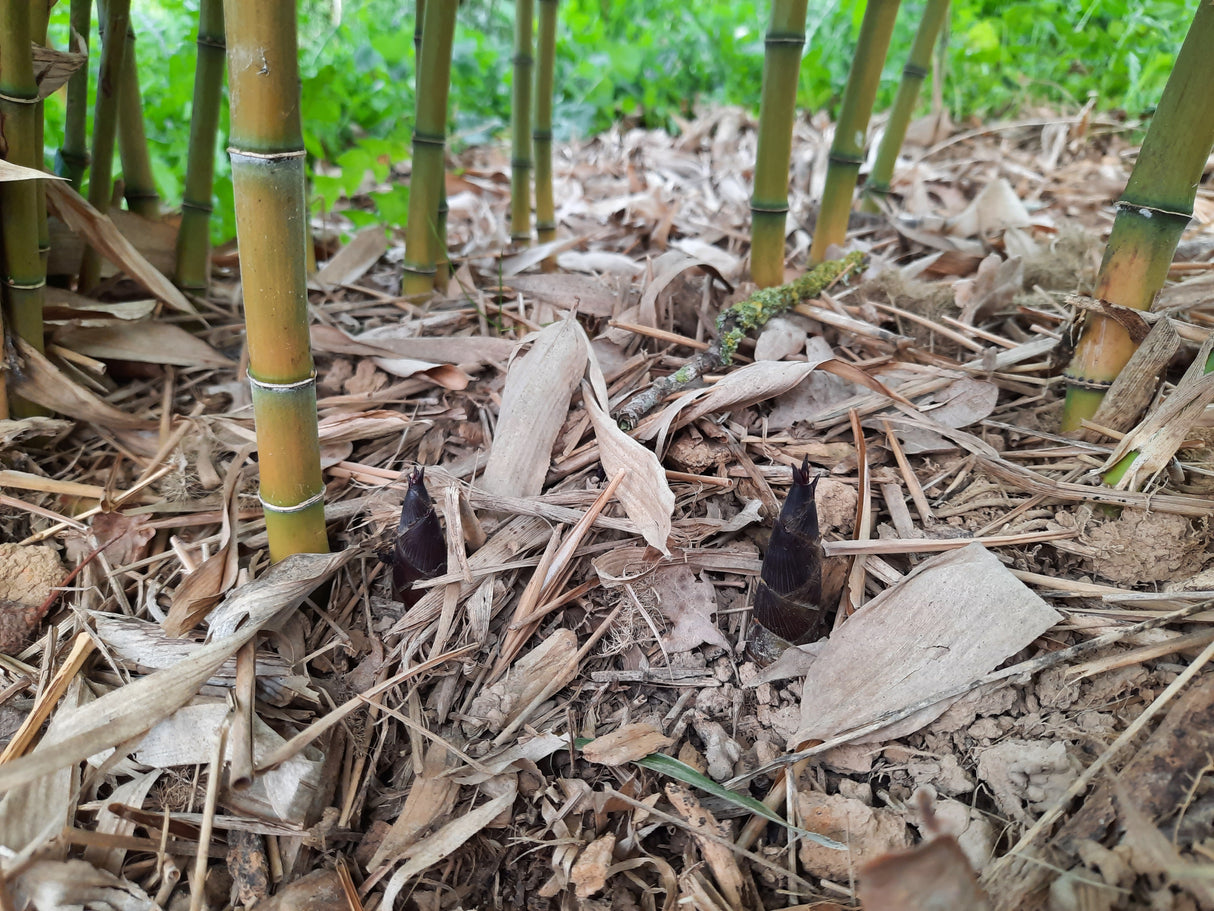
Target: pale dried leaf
644, 492
735, 886
584, 293
352, 260
589, 873
951, 620
431, 798
109, 241
53, 68
626, 744
447, 840
75, 885
398, 341
362, 425
930, 877
13, 432
535, 402
130, 711
10, 171
689, 604
41, 382
997, 207
149, 342
994, 285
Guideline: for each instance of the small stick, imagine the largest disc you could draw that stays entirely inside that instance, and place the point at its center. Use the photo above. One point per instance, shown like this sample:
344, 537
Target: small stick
208, 818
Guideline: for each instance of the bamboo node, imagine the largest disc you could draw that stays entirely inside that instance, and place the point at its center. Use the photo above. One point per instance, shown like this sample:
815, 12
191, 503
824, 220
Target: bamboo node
318, 497
283, 155
281, 387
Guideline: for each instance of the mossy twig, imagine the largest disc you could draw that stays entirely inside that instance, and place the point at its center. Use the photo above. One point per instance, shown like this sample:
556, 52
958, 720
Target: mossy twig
733, 325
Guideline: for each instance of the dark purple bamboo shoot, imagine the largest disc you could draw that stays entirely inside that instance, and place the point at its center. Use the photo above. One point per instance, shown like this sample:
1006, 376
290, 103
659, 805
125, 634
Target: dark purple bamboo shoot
787, 603
420, 552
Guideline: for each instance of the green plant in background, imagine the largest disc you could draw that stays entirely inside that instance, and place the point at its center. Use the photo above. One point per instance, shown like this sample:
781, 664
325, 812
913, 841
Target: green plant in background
272, 232
847, 150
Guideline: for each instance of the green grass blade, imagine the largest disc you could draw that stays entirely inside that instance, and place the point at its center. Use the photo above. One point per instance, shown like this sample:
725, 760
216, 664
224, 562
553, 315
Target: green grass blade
681, 771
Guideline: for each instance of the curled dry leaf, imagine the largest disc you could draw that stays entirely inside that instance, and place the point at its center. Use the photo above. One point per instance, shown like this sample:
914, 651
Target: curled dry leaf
102, 234
535, 402
626, 744
589, 873
644, 493
146, 342
10, 171
753, 383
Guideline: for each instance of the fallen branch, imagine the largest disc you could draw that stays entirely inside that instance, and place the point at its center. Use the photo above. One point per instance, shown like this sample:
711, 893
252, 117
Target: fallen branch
733, 325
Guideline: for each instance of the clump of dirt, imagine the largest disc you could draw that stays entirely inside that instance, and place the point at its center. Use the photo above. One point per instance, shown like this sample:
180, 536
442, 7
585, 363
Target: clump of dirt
1136, 547
1070, 263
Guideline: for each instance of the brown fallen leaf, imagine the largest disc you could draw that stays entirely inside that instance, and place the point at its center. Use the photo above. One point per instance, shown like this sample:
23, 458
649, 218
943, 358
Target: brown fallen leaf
931, 877
689, 604
626, 744
589, 873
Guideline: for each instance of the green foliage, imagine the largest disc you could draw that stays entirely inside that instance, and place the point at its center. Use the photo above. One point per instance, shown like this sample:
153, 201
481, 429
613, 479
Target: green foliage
650, 64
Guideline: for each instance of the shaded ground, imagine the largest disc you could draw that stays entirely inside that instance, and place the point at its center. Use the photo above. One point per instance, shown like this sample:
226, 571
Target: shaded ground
433, 763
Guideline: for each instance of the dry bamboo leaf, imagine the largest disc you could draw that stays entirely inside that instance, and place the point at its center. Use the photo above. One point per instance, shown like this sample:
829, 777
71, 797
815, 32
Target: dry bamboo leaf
393, 342
431, 798
148, 342
552, 660
132, 792
625, 744
53, 68
74, 885
590, 870
587, 294
13, 432
62, 304
951, 620
202, 589
448, 839
666, 268
532, 256
41, 382
753, 383
535, 402
993, 210
736, 887
102, 234
10, 171
363, 425
643, 491
130, 711
352, 261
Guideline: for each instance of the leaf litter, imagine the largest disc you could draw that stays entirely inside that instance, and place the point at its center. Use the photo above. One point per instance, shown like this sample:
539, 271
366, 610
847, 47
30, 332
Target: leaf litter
567, 718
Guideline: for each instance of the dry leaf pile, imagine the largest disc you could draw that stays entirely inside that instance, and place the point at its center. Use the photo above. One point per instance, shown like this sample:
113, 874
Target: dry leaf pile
1010, 713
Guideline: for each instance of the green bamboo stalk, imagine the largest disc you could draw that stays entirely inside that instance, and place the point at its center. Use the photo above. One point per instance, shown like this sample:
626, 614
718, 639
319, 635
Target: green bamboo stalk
913, 74
105, 124
267, 153
422, 240
442, 264
847, 151
40, 14
194, 235
1152, 214
777, 107
520, 124
23, 275
545, 203
139, 186
73, 158
418, 20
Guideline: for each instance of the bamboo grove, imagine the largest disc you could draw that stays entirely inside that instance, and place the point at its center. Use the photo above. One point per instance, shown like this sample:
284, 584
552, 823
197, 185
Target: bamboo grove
268, 172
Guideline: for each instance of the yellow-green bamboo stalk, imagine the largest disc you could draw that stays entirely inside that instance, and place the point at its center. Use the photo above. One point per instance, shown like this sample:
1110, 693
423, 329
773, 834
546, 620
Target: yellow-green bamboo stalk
545, 203
194, 235
847, 151
777, 107
40, 14
73, 158
520, 124
267, 153
23, 275
913, 74
418, 19
105, 123
1151, 216
139, 187
426, 187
